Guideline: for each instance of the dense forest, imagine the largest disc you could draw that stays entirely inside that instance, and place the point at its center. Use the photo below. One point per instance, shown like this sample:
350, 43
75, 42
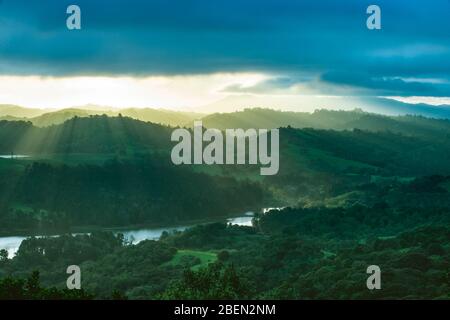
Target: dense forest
55, 197
289, 254
356, 189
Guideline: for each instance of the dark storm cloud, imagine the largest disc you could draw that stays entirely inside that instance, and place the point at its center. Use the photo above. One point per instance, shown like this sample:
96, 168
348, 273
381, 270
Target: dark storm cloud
203, 36
390, 86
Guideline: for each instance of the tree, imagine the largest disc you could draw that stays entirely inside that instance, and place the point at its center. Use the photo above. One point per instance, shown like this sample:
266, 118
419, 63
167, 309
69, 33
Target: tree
3, 255
223, 255
216, 282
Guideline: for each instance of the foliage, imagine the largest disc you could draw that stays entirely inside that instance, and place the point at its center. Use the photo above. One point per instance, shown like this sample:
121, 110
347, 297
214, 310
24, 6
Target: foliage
215, 282
357, 190
30, 289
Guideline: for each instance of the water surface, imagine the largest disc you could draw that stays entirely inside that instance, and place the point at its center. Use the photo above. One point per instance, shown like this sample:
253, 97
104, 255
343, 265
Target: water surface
12, 244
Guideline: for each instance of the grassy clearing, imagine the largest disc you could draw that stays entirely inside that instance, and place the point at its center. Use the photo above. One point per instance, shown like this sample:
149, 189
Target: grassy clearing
22, 207
205, 258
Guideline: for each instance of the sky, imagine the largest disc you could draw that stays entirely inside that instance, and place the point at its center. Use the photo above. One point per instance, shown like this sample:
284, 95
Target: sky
215, 55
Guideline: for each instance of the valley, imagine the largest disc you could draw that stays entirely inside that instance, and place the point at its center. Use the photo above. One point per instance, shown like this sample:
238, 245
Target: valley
374, 190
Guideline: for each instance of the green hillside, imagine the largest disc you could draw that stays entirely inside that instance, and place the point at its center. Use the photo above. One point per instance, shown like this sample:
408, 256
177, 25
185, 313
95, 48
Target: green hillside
43, 118
350, 197
19, 112
328, 119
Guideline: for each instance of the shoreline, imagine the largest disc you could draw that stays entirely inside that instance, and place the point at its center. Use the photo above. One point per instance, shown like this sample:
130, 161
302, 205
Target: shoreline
89, 229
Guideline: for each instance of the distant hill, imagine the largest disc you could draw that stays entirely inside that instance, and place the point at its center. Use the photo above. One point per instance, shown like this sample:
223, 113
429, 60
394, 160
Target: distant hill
60, 116
43, 118
394, 107
328, 119
233, 103
166, 117
19, 112
12, 118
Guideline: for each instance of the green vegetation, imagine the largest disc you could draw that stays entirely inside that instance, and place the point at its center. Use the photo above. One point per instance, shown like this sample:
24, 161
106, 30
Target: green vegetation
201, 258
42, 118
291, 254
53, 198
358, 189
328, 120
30, 289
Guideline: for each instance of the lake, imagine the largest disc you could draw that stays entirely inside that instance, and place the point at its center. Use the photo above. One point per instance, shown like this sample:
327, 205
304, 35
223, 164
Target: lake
13, 156
12, 244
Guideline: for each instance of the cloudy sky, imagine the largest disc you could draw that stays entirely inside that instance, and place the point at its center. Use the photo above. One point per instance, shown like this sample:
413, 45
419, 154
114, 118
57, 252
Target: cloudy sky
183, 54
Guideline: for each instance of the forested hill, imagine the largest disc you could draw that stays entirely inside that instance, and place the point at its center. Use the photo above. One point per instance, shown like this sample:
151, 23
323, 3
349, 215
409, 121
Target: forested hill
95, 134
106, 171
328, 119
106, 134
355, 151
358, 151
377, 194
248, 118
46, 117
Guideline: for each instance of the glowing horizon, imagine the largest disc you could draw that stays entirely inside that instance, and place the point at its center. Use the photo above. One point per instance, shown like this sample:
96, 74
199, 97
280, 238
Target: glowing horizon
170, 92
226, 92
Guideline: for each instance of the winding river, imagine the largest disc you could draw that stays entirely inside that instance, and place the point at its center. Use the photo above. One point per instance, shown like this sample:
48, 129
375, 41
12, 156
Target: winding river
12, 244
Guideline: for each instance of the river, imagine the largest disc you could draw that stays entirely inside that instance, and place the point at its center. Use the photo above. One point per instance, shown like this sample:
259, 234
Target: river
12, 244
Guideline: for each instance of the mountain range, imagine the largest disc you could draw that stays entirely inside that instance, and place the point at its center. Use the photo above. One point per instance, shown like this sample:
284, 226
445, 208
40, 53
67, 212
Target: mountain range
46, 117
232, 111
